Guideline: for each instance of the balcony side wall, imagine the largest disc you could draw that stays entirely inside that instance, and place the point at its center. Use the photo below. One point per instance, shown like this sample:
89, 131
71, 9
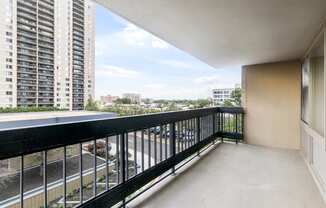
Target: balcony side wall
272, 104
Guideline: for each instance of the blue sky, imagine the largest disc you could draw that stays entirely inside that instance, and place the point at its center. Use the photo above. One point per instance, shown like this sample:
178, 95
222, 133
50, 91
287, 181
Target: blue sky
129, 59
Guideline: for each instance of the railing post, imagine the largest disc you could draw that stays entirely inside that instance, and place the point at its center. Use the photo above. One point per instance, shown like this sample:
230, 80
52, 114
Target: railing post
236, 128
172, 143
123, 163
198, 132
242, 127
214, 117
222, 126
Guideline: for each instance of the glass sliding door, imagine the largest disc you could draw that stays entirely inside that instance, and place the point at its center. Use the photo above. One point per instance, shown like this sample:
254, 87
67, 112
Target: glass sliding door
313, 88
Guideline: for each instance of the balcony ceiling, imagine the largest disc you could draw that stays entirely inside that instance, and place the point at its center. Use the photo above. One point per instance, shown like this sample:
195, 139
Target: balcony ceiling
226, 33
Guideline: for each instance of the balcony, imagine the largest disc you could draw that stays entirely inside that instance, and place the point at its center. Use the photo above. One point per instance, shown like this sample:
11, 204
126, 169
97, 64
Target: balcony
137, 151
268, 153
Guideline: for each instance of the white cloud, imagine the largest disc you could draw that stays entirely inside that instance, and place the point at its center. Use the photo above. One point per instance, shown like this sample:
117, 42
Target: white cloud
115, 71
207, 79
126, 40
135, 36
216, 81
155, 86
177, 64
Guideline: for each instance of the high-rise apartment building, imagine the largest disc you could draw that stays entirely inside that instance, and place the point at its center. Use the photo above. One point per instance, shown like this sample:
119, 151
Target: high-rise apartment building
48, 53
220, 95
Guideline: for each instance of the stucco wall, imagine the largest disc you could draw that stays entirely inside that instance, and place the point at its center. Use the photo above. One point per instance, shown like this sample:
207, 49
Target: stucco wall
272, 104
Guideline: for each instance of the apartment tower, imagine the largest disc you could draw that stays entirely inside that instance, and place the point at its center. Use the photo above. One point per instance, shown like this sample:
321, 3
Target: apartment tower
48, 58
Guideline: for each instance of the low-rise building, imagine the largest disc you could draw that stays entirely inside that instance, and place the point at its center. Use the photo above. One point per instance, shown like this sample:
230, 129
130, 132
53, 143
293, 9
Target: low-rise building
108, 99
134, 97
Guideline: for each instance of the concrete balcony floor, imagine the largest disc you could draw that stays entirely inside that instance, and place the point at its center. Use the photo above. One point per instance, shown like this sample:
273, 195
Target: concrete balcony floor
238, 176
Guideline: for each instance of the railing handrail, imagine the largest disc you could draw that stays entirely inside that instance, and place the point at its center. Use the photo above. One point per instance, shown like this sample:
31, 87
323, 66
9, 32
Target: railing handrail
26, 140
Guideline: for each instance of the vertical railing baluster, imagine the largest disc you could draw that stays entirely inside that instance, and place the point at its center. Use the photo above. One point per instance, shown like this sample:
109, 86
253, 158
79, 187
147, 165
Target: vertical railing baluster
142, 151
172, 143
107, 163
135, 152
149, 147
45, 177
229, 122
21, 185
117, 157
95, 161
214, 127
166, 141
123, 162
192, 131
184, 131
242, 126
224, 121
178, 136
187, 133
155, 147
198, 132
127, 155
222, 126
64, 169
218, 122
81, 172
161, 148
236, 128
201, 128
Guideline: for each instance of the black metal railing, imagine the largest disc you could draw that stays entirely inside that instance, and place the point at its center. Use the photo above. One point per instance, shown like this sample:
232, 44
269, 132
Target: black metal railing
106, 162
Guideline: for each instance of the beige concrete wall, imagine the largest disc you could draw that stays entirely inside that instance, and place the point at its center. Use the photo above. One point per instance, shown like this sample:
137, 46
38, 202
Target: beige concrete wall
272, 103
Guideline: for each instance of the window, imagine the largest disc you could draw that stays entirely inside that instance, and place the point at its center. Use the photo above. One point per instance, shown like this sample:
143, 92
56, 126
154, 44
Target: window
312, 95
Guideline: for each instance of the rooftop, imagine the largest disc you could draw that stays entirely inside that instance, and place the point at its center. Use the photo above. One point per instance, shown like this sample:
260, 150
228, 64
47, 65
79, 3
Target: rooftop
16, 120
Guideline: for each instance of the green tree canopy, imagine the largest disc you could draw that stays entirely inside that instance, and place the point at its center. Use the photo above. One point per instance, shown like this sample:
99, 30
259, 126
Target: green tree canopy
91, 105
123, 101
235, 99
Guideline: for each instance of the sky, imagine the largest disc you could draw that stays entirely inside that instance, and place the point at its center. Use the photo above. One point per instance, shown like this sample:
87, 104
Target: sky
131, 60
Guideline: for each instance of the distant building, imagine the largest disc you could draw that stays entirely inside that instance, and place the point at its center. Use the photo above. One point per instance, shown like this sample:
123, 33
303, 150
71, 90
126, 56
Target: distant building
108, 99
134, 97
220, 95
47, 53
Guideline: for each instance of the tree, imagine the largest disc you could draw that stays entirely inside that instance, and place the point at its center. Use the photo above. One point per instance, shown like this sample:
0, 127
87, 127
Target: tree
123, 101
202, 103
91, 105
235, 99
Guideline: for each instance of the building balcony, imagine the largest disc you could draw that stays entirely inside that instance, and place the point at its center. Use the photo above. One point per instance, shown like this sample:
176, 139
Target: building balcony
268, 153
27, 6
137, 151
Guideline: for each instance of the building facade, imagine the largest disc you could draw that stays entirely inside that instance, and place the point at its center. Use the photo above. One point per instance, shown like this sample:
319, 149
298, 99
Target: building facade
220, 95
133, 97
48, 56
108, 99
